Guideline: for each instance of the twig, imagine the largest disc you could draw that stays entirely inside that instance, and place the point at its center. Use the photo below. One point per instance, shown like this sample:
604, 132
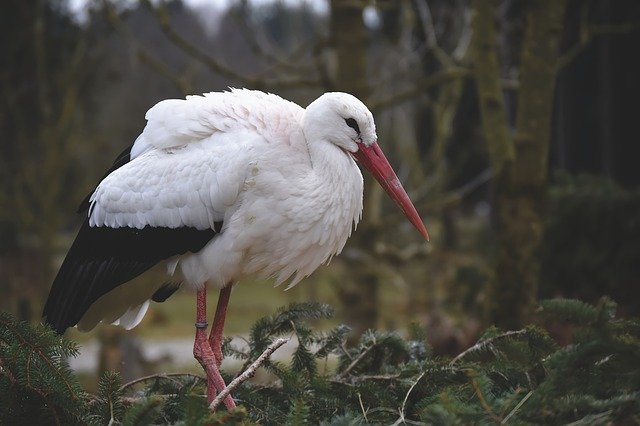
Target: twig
248, 373
258, 42
130, 400
485, 343
464, 41
406, 397
166, 376
454, 197
504, 421
587, 33
357, 360
420, 87
426, 19
179, 81
195, 52
345, 351
376, 377
111, 415
364, 412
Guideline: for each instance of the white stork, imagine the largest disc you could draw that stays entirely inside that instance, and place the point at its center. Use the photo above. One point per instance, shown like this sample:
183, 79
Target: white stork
220, 187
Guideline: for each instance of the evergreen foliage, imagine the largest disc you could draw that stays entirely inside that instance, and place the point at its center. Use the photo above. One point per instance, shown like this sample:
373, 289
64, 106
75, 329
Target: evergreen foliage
583, 210
35, 380
517, 377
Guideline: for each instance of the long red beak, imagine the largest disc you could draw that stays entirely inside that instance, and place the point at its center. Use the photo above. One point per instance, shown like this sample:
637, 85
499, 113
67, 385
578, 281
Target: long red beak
374, 160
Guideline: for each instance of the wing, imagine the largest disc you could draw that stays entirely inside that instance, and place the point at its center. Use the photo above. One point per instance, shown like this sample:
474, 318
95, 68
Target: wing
102, 258
161, 204
166, 195
123, 158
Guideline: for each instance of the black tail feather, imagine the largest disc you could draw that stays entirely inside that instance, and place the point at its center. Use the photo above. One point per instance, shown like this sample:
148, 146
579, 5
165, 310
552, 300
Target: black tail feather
103, 258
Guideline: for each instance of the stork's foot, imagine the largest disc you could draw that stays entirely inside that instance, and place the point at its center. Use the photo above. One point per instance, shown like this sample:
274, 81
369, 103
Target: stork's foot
205, 355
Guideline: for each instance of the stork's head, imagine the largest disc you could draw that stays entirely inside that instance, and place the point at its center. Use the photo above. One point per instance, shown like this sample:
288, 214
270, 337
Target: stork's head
341, 119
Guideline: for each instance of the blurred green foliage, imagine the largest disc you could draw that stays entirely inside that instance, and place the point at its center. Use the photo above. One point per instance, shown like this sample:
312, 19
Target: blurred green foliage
591, 245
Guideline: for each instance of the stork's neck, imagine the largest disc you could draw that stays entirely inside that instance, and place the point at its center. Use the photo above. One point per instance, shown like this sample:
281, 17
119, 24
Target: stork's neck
338, 180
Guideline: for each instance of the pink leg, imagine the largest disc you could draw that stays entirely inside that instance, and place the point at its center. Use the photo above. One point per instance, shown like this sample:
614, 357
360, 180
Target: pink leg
204, 354
215, 338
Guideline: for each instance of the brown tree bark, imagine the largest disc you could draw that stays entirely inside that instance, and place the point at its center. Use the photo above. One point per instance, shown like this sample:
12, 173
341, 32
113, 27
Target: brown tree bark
519, 163
358, 290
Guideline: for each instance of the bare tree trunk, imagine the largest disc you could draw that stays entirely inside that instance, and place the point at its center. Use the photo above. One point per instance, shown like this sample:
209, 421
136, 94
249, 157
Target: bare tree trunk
519, 163
358, 291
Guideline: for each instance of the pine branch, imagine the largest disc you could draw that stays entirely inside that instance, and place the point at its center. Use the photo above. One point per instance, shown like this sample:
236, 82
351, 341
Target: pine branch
487, 343
527, 380
577, 312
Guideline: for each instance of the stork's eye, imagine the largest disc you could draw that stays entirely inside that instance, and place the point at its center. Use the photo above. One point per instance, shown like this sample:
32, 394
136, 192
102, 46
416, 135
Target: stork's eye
353, 124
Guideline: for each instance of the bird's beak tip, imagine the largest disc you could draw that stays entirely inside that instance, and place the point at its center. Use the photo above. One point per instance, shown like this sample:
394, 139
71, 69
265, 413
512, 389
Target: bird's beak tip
374, 160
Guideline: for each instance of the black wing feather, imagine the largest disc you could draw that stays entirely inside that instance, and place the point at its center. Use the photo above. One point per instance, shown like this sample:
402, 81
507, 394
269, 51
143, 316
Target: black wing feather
102, 258
165, 291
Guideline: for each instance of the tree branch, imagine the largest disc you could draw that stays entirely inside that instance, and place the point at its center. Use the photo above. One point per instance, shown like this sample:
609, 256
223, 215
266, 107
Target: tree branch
454, 197
166, 376
431, 39
215, 66
588, 32
486, 342
420, 87
156, 64
357, 360
254, 35
249, 372
406, 397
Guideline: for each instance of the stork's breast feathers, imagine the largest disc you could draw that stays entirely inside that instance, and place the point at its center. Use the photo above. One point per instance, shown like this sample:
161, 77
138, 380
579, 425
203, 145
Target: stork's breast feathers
293, 219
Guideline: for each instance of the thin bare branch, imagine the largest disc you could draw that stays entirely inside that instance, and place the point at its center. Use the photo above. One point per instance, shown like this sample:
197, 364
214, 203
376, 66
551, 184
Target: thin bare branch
460, 52
426, 20
453, 198
401, 255
164, 376
357, 360
402, 419
179, 81
486, 342
258, 42
215, 66
516, 408
248, 373
376, 377
587, 33
420, 87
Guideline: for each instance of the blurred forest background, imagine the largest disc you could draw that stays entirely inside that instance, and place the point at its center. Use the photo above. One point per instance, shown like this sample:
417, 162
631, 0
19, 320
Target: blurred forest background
513, 125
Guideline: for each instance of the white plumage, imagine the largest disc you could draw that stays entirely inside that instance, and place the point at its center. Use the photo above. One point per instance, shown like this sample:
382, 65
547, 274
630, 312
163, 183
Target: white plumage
275, 175
232, 157
220, 187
